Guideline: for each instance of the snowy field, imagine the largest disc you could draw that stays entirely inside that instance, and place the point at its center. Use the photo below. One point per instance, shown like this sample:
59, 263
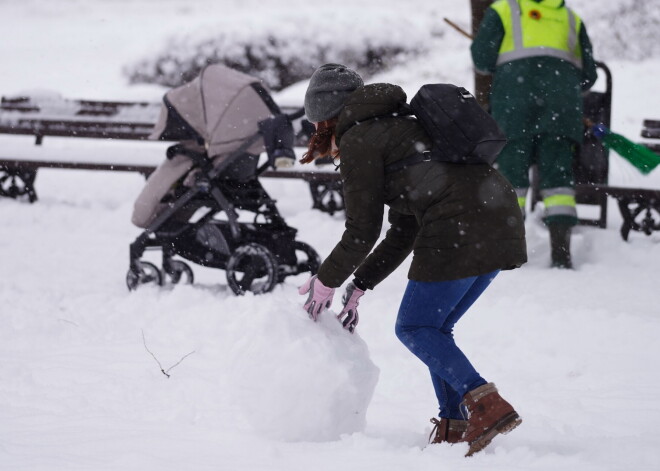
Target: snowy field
254, 385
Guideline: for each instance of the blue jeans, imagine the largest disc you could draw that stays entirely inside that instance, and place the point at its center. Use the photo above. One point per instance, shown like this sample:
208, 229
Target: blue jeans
425, 324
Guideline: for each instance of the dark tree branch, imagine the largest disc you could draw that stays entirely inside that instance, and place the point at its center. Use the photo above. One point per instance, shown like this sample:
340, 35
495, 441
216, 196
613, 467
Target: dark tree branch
165, 372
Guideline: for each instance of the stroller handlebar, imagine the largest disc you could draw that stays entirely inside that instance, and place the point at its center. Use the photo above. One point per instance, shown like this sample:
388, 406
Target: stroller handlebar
296, 114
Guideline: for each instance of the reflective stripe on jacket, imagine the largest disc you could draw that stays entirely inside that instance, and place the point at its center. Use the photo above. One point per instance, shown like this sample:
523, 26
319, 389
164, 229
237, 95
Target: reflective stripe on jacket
559, 202
532, 29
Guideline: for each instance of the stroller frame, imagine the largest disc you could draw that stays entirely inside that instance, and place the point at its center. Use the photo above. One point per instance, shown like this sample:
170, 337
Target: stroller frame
256, 256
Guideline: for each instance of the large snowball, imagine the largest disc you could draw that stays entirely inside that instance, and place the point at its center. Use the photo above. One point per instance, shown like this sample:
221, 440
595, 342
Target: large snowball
298, 380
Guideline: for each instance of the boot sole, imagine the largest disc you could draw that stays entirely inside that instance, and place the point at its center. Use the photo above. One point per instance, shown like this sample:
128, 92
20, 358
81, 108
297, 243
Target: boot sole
504, 426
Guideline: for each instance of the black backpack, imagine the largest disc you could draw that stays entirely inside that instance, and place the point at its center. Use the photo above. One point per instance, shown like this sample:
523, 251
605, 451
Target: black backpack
461, 131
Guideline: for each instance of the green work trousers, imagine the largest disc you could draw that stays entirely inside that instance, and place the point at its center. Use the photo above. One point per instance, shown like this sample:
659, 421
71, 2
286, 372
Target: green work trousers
553, 156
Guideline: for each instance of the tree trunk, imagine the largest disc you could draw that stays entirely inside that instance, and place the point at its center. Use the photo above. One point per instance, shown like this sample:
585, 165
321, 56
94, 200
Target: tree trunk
482, 83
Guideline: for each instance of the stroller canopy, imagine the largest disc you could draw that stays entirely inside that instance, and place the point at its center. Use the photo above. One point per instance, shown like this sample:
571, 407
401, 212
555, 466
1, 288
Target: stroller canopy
222, 107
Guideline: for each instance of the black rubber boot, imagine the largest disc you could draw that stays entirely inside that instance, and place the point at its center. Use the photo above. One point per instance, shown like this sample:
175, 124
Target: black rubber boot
560, 245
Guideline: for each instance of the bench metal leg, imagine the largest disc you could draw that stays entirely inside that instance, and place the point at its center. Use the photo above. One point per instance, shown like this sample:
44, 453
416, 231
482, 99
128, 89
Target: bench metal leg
639, 214
600, 200
17, 182
327, 196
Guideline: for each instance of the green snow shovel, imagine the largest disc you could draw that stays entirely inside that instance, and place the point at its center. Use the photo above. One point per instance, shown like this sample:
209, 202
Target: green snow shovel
641, 157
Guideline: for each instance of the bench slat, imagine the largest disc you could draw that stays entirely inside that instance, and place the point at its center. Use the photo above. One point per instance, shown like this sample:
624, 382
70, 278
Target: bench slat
37, 164
615, 191
652, 123
126, 131
654, 147
651, 133
316, 175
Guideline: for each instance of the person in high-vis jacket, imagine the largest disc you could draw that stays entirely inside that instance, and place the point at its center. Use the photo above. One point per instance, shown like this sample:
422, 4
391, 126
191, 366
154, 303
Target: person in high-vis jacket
541, 59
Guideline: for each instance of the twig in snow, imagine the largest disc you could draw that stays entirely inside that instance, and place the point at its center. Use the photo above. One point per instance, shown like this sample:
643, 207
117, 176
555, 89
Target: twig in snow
177, 363
67, 321
163, 370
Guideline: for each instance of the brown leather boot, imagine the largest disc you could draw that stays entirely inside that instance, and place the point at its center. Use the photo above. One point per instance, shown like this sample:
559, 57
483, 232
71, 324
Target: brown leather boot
447, 430
489, 415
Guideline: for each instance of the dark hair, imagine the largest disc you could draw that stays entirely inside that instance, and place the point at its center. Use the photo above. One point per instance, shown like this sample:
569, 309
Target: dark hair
320, 144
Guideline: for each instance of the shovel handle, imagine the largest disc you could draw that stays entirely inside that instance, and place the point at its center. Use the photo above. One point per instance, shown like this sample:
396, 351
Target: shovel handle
458, 28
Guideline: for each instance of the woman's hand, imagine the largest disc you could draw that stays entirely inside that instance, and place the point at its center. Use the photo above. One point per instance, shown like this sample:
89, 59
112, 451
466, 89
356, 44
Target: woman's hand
349, 315
319, 299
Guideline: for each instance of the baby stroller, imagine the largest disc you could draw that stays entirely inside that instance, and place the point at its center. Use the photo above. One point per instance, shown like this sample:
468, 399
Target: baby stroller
194, 204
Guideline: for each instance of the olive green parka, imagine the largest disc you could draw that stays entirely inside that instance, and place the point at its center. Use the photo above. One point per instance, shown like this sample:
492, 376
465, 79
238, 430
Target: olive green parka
459, 220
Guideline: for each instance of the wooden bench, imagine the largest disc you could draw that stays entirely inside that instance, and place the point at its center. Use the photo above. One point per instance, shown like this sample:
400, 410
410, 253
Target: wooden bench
639, 207
51, 115
18, 174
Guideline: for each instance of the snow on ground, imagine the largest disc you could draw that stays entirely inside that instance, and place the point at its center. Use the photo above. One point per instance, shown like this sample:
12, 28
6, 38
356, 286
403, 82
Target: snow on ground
254, 385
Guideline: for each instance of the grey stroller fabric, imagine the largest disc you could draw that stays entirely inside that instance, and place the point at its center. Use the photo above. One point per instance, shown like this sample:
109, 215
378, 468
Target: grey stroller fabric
223, 109
148, 204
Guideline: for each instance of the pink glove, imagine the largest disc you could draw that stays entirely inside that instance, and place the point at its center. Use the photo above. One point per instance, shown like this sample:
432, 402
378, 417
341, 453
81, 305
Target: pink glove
319, 299
349, 315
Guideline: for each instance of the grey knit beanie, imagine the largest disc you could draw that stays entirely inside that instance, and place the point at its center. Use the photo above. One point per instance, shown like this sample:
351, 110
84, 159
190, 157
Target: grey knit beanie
328, 89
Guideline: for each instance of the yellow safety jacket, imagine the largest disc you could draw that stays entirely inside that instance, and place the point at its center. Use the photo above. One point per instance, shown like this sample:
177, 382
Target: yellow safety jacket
545, 28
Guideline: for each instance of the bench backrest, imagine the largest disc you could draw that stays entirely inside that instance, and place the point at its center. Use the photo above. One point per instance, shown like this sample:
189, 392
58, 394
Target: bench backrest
52, 115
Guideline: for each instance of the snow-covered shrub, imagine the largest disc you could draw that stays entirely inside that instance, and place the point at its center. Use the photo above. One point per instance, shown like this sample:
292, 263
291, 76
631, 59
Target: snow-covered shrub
286, 50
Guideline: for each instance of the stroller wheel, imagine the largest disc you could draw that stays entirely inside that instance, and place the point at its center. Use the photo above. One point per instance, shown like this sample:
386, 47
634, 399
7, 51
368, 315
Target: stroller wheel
181, 273
311, 263
149, 273
251, 267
